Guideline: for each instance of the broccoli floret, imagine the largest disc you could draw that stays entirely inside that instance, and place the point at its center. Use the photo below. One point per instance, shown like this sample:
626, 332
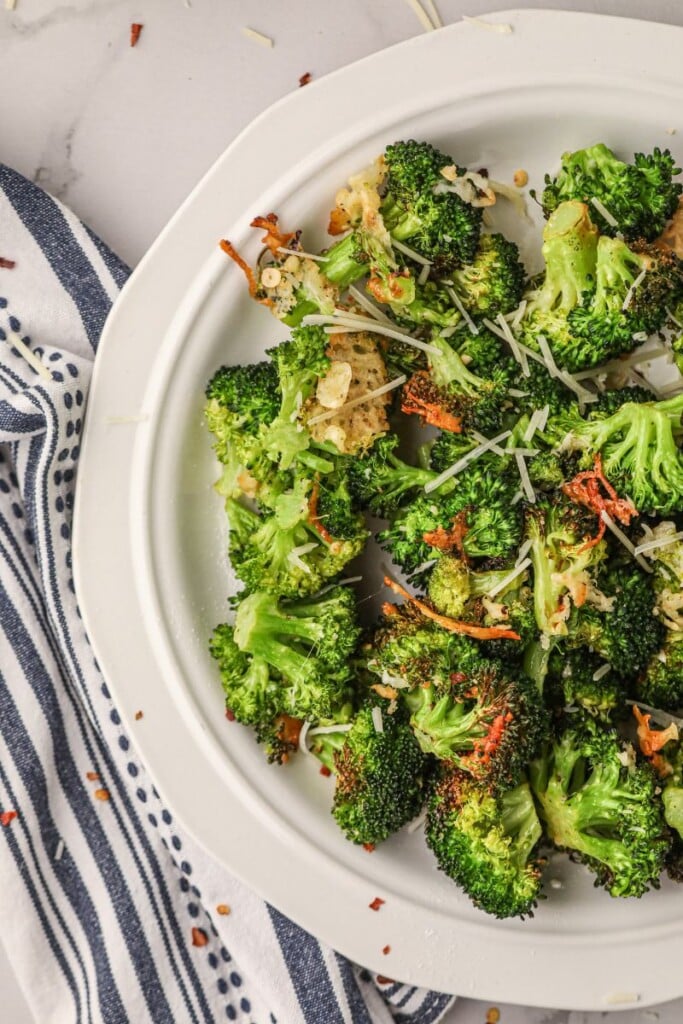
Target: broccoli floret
488, 724
661, 684
437, 224
542, 389
411, 649
432, 306
667, 562
625, 631
494, 281
611, 401
300, 363
476, 516
283, 551
381, 481
600, 805
486, 843
624, 303
570, 255
483, 352
454, 588
564, 559
379, 774
639, 450
336, 506
546, 471
572, 681
450, 396
241, 400
361, 253
640, 196
294, 656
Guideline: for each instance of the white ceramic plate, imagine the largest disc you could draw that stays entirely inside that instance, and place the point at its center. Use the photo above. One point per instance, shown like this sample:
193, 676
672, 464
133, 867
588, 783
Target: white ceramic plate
150, 533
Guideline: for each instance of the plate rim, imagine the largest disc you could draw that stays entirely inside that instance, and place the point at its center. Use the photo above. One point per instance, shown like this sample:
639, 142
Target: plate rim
90, 532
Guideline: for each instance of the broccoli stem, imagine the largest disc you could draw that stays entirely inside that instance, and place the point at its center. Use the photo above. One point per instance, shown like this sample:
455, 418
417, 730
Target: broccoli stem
520, 821
447, 368
260, 626
344, 263
570, 254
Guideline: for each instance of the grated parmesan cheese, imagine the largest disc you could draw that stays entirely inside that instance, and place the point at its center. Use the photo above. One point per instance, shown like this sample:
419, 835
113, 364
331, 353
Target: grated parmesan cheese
407, 251
604, 212
424, 275
31, 358
377, 719
461, 463
526, 480
349, 323
371, 308
523, 551
118, 420
471, 326
302, 254
434, 14
517, 571
422, 15
631, 292
502, 28
621, 536
601, 672
258, 37
59, 852
660, 542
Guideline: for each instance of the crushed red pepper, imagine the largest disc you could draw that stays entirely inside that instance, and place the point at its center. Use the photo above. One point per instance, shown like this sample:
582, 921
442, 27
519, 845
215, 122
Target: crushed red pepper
453, 625
381, 979
138, 716
135, 30
92, 776
7, 264
305, 78
324, 770
7, 816
387, 949
102, 794
369, 847
230, 715
376, 903
199, 937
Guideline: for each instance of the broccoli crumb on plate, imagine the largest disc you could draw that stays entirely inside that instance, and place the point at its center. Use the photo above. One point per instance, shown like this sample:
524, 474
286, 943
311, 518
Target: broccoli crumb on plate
499, 437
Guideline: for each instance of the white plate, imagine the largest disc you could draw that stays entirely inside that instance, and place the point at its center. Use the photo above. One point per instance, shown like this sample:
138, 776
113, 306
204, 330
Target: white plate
150, 534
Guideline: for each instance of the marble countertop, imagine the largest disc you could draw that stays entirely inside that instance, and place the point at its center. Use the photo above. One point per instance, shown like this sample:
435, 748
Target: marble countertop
123, 134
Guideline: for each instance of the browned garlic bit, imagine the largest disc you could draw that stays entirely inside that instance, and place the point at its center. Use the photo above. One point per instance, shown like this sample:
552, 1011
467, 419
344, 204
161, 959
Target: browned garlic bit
520, 178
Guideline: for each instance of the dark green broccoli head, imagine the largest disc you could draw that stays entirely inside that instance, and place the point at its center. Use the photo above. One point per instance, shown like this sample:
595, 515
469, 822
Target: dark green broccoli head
457, 591
628, 635
379, 775
381, 481
661, 683
408, 648
488, 844
546, 471
483, 352
253, 692
624, 303
439, 225
600, 804
337, 504
571, 681
250, 393
487, 724
542, 389
640, 196
494, 281
611, 401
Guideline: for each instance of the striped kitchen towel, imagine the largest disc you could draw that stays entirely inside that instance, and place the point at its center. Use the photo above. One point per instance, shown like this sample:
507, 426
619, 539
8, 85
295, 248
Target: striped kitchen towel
108, 910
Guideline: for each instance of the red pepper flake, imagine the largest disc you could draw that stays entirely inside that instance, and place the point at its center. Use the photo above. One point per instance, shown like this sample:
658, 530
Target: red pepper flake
230, 715
6, 817
381, 979
135, 30
7, 264
92, 776
369, 847
223, 909
138, 716
101, 794
199, 937
324, 770
376, 903
386, 950
305, 79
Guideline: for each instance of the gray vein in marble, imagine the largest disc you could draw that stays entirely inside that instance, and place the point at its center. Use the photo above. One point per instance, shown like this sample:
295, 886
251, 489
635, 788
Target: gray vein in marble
19, 24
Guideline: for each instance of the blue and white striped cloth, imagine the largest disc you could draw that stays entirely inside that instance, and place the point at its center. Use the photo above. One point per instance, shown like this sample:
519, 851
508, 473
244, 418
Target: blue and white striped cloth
107, 908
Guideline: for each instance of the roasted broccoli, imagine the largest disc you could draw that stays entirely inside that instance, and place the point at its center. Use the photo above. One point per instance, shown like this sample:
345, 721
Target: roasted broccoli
381, 481
638, 198
598, 803
487, 843
580, 679
494, 281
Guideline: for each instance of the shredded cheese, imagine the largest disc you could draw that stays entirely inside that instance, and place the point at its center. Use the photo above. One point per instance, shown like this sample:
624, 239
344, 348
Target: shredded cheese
673, 319
323, 730
502, 28
484, 440
407, 251
60, 850
519, 313
523, 551
433, 13
660, 542
358, 401
461, 463
531, 429
604, 212
517, 498
526, 480
301, 253
350, 323
515, 346
601, 672
377, 719
422, 15
31, 358
621, 536
295, 559
258, 37
517, 571
516, 393
424, 275
370, 306
471, 326
511, 194
631, 292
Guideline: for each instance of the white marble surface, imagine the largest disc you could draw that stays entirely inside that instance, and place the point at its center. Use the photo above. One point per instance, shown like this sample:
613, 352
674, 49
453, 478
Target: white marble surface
122, 135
